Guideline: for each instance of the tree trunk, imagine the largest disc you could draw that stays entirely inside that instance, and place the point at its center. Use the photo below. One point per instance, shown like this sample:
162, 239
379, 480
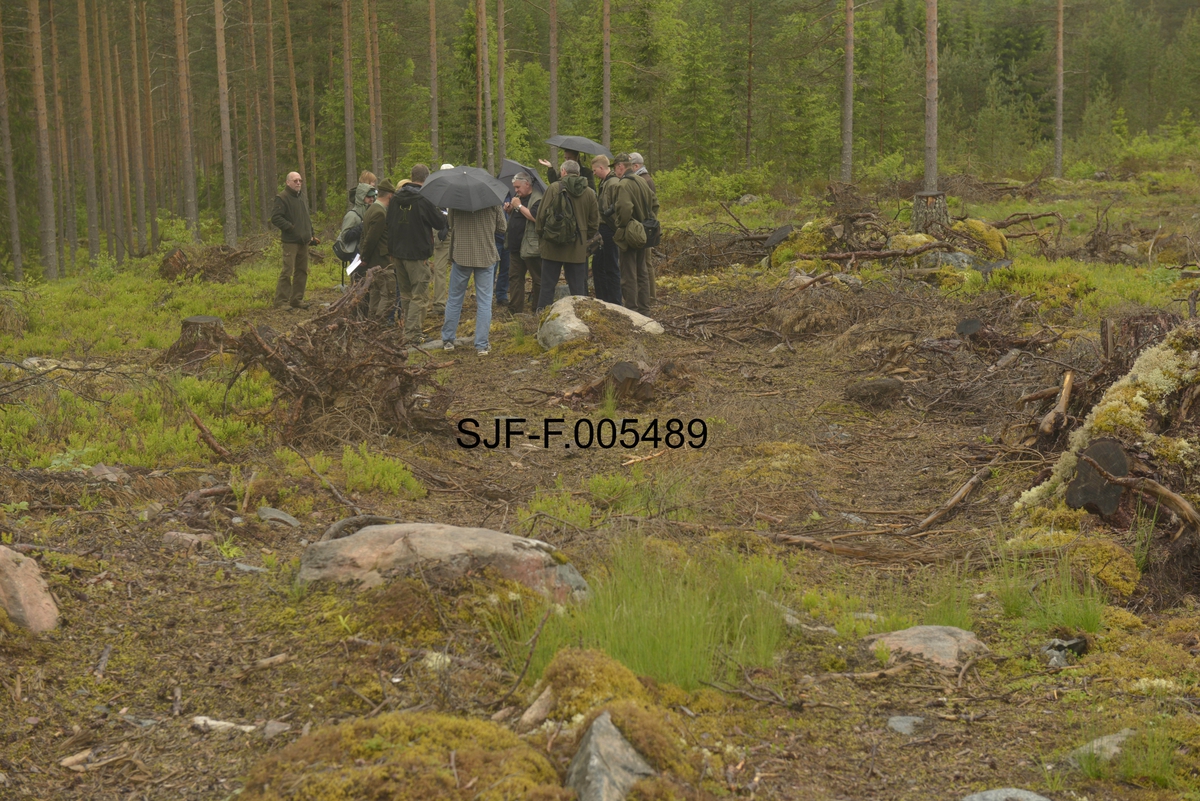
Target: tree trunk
49, 228
554, 78
106, 190
501, 116
1058, 94
486, 60
236, 150
312, 127
606, 102
433, 84
10, 182
137, 152
112, 153
291, 63
272, 152
65, 196
191, 207
478, 90
89, 137
265, 184
931, 96
848, 99
378, 97
226, 130
150, 146
372, 109
348, 97
749, 81
123, 152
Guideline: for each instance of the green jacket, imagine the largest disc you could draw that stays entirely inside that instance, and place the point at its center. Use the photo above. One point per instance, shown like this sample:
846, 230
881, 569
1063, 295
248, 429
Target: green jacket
635, 201
608, 200
290, 216
587, 217
374, 242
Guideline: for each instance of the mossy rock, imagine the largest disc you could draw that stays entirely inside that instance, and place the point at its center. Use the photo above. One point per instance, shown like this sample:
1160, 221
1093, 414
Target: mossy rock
813, 237
989, 242
648, 729
1103, 559
583, 679
406, 757
909, 241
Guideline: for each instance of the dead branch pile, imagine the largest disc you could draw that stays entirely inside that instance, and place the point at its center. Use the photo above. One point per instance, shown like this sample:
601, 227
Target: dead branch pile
217, 263
343, 377
712, 246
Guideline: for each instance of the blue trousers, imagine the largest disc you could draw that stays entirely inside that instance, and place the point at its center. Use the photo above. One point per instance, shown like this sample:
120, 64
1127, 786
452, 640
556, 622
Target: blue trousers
459, 278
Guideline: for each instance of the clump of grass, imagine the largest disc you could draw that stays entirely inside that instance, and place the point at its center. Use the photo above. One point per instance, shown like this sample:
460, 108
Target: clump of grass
554, 508
1143, 532
1012, 582
1065, 603
662, 615
1148, 756
368, 471
228, 548
608, 402
949, 599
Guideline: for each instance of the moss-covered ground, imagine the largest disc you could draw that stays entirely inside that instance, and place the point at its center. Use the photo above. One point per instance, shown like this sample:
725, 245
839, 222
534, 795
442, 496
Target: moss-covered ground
404, 691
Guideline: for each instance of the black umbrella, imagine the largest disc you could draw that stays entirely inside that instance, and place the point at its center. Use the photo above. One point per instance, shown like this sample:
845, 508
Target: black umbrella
510, 168
580, 144
465, 189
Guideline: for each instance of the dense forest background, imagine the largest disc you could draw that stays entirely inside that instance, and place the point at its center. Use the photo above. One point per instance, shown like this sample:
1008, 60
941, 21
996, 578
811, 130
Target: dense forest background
706, 85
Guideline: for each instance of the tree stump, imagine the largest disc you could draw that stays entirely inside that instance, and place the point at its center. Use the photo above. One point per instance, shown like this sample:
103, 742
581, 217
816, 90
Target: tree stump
199, 337
929, 208
1088, 490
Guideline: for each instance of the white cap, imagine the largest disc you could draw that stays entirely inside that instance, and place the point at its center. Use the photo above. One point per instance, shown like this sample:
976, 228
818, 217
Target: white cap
636, 158
447, 167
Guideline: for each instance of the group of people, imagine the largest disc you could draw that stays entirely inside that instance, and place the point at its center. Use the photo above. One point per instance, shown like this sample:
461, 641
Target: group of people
604, 210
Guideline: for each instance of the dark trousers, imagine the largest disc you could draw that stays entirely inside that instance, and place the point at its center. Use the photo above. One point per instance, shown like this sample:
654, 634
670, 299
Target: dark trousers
635, 280
576, 280
501, 293
519, 267
606, 268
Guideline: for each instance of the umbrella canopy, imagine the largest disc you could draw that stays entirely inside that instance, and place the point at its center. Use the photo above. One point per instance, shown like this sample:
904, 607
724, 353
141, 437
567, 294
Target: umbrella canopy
579, 143
509, 169
464, 189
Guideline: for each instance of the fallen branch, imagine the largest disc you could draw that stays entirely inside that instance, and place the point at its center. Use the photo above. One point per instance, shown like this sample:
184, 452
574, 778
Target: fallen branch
1013, 219
955, 499
1041, 394
1172, 500
208, 439
867, 255
358, 521
1055, 417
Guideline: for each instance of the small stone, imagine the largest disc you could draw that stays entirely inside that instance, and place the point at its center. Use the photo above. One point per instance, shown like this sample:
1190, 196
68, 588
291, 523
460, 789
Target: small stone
184, 541
746, 200
237, 521
24, 595
538, 711
605, 766
245, 568
904, 724
32, 721
113, 475
271, 515
875, 391
945, 646
1007, 794
274, 728
1104, 749
207, 481
150, 512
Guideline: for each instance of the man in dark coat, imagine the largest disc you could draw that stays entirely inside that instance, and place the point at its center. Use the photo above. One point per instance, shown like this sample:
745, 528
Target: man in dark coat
290, 215
412, 219
606, 268
635, 201
561, 257
522, 242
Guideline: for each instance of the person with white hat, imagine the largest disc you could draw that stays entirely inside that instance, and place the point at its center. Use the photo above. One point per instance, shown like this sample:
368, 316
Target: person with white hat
439, 289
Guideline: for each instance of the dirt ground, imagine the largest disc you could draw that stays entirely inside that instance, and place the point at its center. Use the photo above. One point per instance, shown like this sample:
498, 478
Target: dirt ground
179, 634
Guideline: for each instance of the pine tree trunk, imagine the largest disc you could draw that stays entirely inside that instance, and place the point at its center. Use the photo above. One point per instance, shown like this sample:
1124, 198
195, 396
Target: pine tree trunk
348, 98
372, 109
749, 80
87, 146
191, 205
312, 128
106, 190
291, 63
123, 153
265, 184
151, 155
848, 99
374, 64
65, 196
554, 79
478, 91
433, 84
272, 151
486, 61
137, 153
45, 167
501, 115
235, 149
606, 102
931, 96
10, 181
112, 155
1058, 93
226, 129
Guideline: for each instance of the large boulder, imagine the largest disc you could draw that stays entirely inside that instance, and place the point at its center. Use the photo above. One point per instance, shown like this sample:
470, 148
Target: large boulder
24, 596
945, 646
375, 553
563, 323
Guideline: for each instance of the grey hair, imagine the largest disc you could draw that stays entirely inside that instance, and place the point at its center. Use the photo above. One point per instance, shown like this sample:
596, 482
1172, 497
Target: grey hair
570, 167
636, 158
523, 176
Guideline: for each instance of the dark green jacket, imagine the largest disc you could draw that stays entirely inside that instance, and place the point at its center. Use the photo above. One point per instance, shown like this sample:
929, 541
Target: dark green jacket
290, 216
587, 217
635, 201
608, 200
374, 247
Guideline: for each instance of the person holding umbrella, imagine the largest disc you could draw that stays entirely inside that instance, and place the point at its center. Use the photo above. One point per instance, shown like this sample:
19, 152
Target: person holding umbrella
572, 147
474, 199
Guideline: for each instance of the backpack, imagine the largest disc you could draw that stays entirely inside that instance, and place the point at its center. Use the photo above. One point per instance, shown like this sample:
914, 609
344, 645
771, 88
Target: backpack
346, 245
561, 227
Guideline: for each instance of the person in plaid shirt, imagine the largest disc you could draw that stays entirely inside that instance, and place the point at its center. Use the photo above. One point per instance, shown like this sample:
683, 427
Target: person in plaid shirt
473, 254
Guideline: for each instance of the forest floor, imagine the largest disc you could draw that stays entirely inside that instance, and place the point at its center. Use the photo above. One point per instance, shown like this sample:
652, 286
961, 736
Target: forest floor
151, 636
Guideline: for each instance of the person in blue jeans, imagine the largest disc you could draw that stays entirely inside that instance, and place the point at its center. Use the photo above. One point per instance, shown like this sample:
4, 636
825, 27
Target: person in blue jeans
473, 255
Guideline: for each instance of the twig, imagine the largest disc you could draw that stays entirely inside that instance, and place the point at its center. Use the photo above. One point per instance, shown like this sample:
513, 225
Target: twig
533, 641
637, 459
103, 663
955, 499
1055, 417
868, 255
208, 439
1173, 501
340, 498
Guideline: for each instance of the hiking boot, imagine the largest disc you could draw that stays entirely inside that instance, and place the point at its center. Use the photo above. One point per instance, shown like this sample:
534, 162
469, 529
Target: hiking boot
301, 304
420, 339
448, 345
483, 352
